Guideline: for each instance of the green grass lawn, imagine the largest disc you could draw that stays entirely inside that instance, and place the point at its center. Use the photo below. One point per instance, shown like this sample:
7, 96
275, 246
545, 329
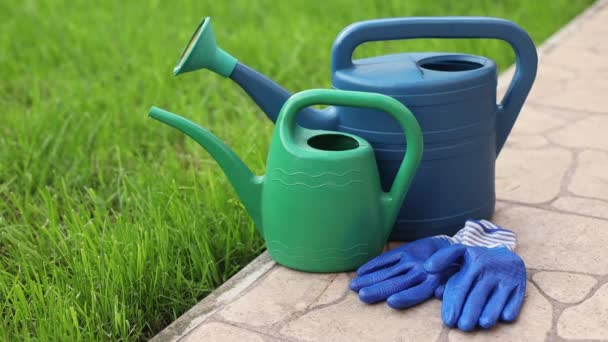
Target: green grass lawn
112, 224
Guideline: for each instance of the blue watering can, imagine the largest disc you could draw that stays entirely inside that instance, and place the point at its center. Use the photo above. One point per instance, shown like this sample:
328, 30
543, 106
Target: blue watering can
452, 95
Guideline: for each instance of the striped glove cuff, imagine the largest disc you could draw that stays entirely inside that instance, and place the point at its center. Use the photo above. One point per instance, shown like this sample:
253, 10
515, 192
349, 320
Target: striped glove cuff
483, 233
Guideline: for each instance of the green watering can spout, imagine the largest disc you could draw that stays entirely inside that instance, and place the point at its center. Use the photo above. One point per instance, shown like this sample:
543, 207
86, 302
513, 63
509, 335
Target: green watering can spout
247, 185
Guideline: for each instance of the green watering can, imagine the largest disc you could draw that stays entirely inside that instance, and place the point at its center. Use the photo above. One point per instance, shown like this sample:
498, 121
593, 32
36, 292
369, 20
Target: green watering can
320, 207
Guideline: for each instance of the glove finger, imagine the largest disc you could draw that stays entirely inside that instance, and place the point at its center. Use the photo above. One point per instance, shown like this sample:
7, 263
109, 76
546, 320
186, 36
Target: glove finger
444, 258
414, 295
442, 278
474, 304
384, 260
370, 279
514, 304
494, 307
456, 290
381, 291
439, 291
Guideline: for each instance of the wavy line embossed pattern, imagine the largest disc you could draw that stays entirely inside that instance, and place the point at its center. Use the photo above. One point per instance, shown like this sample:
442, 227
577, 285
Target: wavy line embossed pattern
279, 248
315, 181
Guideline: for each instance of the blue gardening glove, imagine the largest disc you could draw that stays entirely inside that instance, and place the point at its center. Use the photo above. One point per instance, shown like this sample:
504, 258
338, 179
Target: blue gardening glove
491, 284
398, 276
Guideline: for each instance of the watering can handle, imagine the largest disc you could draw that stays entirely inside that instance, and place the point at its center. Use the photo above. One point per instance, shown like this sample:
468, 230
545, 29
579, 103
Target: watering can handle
286, 124
451, 27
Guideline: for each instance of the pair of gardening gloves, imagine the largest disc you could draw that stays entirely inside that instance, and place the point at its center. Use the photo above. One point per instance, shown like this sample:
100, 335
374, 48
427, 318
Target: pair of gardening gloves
476, 272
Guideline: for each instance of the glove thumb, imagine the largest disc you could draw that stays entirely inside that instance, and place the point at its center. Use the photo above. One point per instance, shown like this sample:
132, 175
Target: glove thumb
444, 258
439, 291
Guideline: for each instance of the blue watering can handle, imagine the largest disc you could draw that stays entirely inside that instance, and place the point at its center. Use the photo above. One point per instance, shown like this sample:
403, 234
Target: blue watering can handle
451, 27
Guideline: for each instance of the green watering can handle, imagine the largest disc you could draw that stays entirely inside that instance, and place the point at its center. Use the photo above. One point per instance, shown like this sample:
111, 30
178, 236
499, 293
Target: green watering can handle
287, 123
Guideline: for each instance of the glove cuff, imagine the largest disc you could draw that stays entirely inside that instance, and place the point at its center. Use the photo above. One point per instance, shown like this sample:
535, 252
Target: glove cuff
483, 233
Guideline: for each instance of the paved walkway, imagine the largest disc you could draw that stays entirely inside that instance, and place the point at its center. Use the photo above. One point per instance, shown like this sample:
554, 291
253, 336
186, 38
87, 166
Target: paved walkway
552, 186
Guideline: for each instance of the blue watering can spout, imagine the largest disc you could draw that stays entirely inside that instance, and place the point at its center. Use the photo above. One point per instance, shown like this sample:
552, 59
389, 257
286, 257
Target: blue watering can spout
270, 97
202, 52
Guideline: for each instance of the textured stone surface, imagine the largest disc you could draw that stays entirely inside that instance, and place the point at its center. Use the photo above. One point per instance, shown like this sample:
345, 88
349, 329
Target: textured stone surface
586, 133
500, 206
533, 324
352, 320
336, 290
591, 175
583, 206
559, 242
530, 176
566, 56
586, 37
521, 142
565, 287
550, 79
221, 332
588, 320
534, 120
284, 292
586, 94
565, 82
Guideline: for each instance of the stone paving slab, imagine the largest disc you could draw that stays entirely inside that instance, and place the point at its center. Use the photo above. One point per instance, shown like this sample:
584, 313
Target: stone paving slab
552, 190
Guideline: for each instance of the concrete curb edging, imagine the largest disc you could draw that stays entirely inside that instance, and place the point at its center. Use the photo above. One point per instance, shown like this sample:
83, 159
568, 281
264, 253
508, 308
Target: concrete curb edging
227, 292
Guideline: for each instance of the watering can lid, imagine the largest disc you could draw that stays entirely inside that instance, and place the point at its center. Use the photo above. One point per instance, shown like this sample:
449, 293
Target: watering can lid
417, 74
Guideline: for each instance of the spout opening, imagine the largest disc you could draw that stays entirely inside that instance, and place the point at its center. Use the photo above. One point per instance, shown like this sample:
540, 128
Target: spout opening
191, 45
333, 142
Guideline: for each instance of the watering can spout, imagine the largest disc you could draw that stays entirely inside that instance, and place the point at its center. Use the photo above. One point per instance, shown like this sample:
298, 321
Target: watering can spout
247, 185
202, 52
